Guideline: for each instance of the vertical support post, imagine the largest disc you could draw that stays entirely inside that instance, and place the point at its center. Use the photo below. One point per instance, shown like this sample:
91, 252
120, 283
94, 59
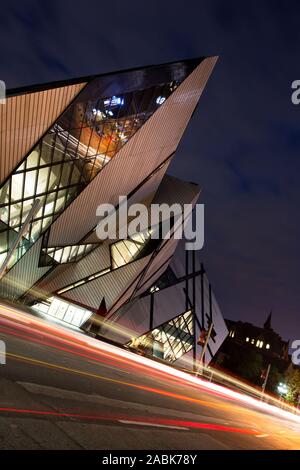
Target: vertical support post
194, 307
151, 312
265, 381
201, 360
202, 296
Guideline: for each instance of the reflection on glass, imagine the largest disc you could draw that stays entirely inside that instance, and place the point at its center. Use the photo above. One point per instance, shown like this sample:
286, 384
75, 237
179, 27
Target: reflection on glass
174, 337
84, 139
69, 254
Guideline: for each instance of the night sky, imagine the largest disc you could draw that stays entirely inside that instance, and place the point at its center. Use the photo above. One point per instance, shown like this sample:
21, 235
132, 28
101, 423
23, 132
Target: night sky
243, 144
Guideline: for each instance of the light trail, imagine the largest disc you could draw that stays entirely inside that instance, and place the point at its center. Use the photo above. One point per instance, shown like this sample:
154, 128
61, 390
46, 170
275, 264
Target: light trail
95, 356
186, 378
145, 388
164, 422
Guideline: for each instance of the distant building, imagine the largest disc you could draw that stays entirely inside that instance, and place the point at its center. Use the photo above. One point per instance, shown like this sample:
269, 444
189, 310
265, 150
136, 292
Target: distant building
259, 344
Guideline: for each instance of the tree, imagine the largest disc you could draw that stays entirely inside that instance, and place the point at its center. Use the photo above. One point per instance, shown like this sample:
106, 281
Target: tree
292, 380
274, 378
249, 366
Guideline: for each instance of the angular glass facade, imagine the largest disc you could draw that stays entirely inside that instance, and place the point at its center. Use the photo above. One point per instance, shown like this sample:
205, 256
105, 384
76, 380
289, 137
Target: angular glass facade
121, 252
84, 139
170, 340
66, 254
124, 251
63, 311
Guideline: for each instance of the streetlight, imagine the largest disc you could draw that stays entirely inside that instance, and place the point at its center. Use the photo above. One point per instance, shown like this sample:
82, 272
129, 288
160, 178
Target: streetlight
282, 389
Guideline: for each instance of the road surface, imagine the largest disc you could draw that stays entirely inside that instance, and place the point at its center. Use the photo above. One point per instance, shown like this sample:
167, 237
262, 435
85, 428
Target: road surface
63, 390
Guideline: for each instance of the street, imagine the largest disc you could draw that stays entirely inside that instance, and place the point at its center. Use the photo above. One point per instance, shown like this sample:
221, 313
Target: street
63, 390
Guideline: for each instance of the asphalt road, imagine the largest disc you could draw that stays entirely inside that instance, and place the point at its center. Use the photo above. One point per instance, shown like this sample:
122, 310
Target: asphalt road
62, 390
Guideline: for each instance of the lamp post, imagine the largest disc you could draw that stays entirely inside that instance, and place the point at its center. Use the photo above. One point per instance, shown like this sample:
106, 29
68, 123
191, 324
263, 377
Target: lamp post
282, 389
265, 380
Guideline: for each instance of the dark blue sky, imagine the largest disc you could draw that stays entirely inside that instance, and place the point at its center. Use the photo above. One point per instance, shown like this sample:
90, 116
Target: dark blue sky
243, 145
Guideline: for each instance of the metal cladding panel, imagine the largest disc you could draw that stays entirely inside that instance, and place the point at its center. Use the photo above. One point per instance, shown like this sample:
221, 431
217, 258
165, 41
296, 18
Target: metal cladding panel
178, 267
94, 262
162, 258
24, 274
25, 118
146, 150
168, 303
178, 261
185, 361
168, 248
43, 288
174, 190
217, 318
130, 321
144, 194
111, 286
125, 297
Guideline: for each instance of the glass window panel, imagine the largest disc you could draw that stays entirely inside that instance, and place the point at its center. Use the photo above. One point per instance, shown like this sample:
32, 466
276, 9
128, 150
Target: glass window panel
78, 317
61, 197
74, 250
47, 148
4, 214
3, 241
81, 249
62, 308
131, 247
66, 254
42, 180
91, 130
36, 228
65, 176
49, 208
58, 254
46, 222
33, 159
21, 168
17, 186
4, 193
30, 181
15, 213
117, 259
69, 314
124, 252
27, 205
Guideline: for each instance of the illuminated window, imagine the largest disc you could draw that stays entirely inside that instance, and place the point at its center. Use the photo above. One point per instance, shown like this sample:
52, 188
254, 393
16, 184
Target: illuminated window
247, 339
63, 311
66, 254
85, 138
267, 346
124, 251
154, 289
175, 337
252, 341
